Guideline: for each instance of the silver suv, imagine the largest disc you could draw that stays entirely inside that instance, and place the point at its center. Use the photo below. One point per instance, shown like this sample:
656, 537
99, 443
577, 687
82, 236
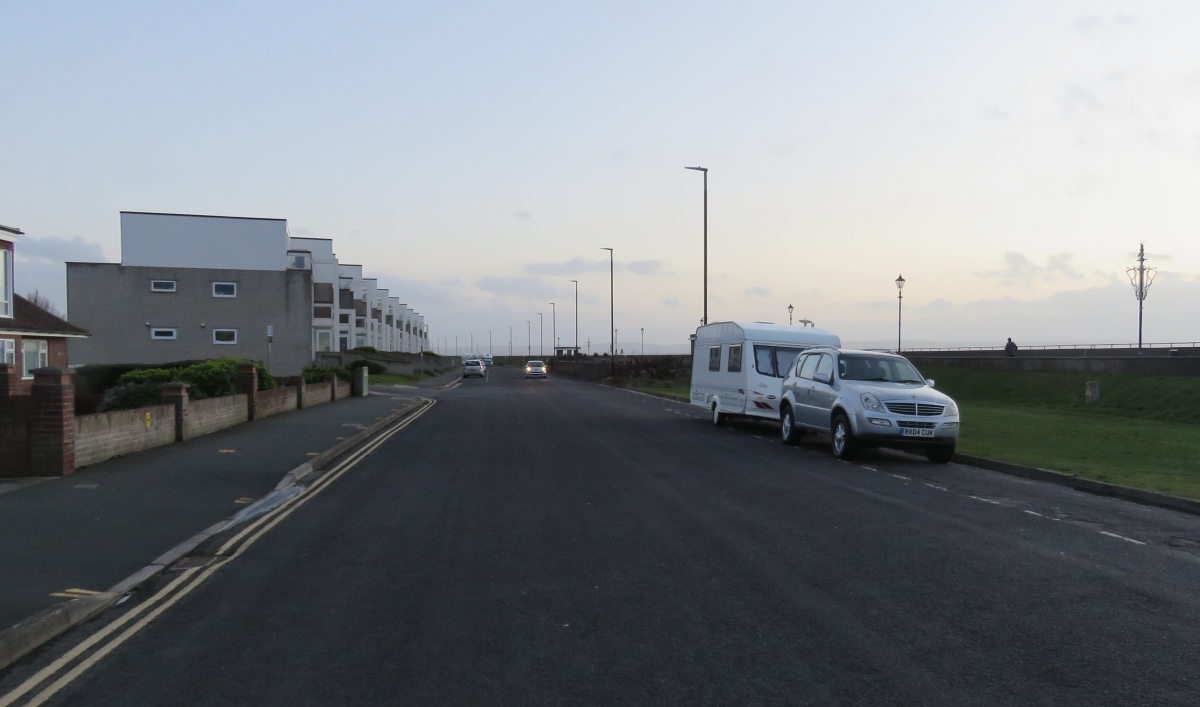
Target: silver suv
866, 398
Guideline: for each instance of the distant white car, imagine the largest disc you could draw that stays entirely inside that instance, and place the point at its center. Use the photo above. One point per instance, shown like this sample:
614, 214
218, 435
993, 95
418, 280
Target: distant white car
474, 367
487, 359
535, 369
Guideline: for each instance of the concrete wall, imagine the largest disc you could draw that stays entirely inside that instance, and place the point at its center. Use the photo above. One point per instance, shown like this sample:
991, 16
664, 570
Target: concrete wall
186, 241
109, 434
1148, 366
115, 303
212, 414
274, 402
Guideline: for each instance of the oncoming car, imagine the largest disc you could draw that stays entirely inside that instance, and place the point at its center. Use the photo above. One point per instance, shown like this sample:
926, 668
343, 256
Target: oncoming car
535, 369
474, 367
867, 398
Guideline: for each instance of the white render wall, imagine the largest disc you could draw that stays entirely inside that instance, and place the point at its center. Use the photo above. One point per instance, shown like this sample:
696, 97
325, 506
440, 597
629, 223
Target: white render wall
188, 241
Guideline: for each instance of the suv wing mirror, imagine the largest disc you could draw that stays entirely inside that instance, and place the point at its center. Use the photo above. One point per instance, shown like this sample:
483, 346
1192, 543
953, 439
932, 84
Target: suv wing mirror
821, 377
929, 382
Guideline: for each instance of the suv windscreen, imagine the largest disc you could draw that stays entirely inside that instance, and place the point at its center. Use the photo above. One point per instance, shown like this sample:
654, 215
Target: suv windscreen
884, 369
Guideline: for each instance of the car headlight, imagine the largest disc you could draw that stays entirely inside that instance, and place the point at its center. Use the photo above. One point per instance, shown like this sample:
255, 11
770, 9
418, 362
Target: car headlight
951, 408
870, 402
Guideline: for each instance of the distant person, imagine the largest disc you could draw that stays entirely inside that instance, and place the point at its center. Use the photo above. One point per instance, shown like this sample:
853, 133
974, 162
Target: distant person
1010, 349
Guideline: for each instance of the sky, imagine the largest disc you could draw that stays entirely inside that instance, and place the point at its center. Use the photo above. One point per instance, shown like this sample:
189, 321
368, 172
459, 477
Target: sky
1006, 158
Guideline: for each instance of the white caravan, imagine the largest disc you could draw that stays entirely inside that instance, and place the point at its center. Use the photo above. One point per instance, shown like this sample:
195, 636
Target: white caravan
738, 368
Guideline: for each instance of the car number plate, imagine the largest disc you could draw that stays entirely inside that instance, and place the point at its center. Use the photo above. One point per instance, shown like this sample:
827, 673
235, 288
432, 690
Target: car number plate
914, 432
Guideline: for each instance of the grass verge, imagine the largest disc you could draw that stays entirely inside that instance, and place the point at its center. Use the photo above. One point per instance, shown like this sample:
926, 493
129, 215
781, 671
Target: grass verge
681, 391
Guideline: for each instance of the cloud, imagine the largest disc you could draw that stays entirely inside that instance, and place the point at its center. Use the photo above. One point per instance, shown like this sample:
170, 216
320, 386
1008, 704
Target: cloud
645, 267
575, 266
758, 291
671, 302
519, 286
998, 113
1094, 25
60, 250
522, 216
1020, 270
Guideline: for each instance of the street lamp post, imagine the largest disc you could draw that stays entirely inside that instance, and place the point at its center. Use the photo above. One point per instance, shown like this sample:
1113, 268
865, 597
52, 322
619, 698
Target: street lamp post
1141, 278
576, 316
705, 171
899, 310
553, 327
456, 345
529, 336
541, 336
490, 352
790, 308
510, 340
612, 317
643, 341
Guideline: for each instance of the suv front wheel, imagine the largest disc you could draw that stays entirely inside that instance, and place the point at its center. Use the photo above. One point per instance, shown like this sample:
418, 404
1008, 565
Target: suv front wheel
841, 438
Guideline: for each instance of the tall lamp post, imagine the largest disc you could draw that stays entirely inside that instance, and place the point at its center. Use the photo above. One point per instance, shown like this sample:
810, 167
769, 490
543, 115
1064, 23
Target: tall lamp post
553, 328
490, 353
643, 341
899, 310
541, 336
705, 171
790, 308
1141, 278
612, 317
576, 316
529, 336
510, 340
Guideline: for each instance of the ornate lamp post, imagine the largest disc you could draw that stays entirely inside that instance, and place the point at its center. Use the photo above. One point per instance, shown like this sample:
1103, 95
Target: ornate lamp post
899, 309
790, 308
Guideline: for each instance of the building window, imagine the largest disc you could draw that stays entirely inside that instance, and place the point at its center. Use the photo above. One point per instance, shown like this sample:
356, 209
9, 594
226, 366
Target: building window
343, 342
323, 340
35, 354
322, 312
360, 322
162, 286
344, 318
164, 333
8, 351
224, 336
6, 283
299, 260
323, 292
224, 289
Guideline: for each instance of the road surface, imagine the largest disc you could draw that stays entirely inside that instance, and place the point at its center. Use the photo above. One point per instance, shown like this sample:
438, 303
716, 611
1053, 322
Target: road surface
562, 543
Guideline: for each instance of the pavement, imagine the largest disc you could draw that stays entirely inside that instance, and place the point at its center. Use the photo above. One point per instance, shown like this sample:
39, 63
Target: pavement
90, 530
562, 543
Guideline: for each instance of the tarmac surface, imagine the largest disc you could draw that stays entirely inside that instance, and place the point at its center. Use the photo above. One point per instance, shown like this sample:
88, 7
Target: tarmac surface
558, 542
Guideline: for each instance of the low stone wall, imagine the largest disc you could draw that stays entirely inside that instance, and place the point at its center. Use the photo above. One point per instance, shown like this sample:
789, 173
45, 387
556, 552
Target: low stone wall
315, 394
274, 402
212, 414
343, 389
109, 434
1091, 363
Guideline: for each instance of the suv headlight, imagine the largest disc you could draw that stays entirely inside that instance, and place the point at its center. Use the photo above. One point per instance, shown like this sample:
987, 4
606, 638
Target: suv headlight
951, 408
870, 402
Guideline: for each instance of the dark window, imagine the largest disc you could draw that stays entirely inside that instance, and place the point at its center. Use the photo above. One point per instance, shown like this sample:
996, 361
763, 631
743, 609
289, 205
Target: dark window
785, 356
389, 320
714, 358
224, 289
345, 299
344, 318
323, 292
735, 359
322, 312
360, 307
360, 322
764, 360
162, 286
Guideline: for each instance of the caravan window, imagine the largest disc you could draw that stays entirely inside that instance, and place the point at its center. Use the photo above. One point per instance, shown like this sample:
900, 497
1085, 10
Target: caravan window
714, 358
764, 360
784, 358
735, 359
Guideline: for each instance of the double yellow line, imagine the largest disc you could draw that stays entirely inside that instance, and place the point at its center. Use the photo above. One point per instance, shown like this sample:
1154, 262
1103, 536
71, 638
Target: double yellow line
188, 580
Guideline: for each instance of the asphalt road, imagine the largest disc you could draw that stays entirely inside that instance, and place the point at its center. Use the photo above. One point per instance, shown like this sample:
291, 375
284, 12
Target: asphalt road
556, 542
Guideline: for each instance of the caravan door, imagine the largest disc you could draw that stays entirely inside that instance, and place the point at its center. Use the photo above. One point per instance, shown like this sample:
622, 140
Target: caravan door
735, 398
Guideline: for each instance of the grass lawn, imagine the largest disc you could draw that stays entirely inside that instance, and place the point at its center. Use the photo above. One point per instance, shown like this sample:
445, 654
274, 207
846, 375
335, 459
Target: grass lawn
675, 390
1144, 431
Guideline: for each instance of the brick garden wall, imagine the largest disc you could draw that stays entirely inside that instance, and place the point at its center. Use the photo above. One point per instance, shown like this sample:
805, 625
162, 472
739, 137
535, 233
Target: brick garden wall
212, 414
343, 389
274, 402
15, 412
109, 434
315, 394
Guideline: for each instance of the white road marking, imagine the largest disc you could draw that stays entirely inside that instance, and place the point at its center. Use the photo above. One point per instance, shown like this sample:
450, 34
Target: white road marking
985, 500
1121, 537
868, 468
939, 488
1035, 513
900, 477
